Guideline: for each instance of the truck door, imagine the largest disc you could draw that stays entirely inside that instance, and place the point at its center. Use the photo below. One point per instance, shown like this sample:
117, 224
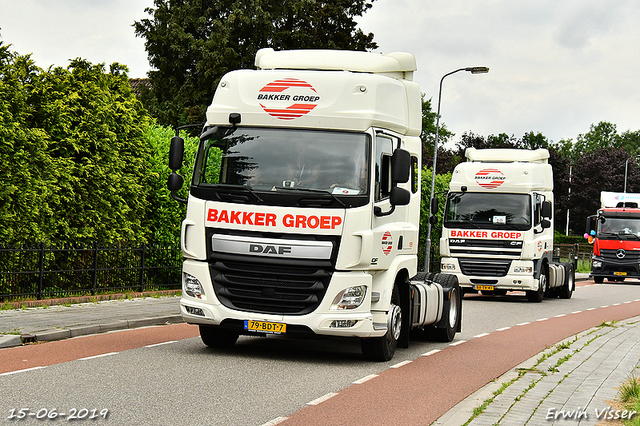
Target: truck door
386, 230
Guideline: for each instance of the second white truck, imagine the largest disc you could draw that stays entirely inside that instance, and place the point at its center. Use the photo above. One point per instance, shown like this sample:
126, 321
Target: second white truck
497, 233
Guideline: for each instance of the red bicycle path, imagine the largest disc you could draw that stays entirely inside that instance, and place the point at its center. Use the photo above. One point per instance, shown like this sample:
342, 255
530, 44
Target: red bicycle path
414, 393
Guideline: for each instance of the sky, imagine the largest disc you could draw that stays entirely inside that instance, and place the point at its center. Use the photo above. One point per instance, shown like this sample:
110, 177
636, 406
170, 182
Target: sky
556, 66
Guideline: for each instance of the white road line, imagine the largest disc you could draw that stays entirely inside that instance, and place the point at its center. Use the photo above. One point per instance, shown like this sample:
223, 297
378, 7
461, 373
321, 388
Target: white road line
503, 328
431, 352
322, 398
98, 356
20, 371
275, 421
365, 379
524, 323
577, 312
457, 343
400, 364
560, 316
480, 335
160, 344
542, 319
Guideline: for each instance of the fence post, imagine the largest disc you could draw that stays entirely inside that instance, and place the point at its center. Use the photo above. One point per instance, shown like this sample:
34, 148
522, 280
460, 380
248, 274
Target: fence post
41, 270
142, 258
94, 273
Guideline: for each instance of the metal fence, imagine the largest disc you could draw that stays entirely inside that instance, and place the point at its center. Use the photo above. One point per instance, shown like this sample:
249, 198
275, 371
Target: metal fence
44, 271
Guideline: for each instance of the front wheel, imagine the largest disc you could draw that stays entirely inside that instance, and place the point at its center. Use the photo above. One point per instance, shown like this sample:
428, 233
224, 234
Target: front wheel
218, 337
383, 348
536, 296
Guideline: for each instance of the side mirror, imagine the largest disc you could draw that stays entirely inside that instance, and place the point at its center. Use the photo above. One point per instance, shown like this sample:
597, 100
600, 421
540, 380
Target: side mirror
433, 220
400, 166
399, 196
176, 152
175, 182
545, 223
434, 205
546, 209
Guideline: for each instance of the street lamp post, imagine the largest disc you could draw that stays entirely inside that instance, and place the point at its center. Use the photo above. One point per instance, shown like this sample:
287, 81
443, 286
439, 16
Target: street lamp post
472, 70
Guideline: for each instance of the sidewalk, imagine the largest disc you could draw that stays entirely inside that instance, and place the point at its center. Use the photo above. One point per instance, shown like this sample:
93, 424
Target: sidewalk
19, 326
571, 383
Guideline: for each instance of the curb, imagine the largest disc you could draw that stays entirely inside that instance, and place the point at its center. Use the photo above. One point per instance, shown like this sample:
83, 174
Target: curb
9, 340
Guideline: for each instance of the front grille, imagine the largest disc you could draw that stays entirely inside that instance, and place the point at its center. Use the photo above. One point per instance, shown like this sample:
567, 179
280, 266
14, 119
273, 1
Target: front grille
269, 286
630, 256
462, 246
485, 267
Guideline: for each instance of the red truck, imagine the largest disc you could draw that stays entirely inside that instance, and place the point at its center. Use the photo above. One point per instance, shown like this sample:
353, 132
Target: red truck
615, 234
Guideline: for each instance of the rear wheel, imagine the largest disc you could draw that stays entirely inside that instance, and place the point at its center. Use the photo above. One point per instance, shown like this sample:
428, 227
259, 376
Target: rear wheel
383, 348
217, 337
566, 291
536, 296
452, 310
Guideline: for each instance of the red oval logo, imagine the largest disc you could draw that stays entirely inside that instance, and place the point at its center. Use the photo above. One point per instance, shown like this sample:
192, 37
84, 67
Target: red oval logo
288, 98
490, 178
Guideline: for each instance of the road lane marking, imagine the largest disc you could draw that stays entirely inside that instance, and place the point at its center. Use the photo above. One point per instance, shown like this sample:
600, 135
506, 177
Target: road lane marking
275, 421
322, 398
98, 356
20, 371
431, 352
160, 344
457, 343
400, 364
542, 319
524, 323
560, 316
481, 335
365, 379
503, 328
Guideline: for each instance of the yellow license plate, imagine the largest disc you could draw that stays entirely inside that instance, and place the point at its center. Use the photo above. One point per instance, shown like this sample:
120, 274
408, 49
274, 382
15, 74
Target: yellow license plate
265, 327
619, 273
483, 287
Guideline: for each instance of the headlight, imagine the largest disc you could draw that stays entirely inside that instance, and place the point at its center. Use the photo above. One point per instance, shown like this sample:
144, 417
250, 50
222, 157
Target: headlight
597, 264
192, 286
447, 267
349, 298
522, 269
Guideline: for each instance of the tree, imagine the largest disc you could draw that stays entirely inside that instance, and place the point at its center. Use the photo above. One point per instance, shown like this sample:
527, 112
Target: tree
600, 170
191, 44
72, 154
162, 222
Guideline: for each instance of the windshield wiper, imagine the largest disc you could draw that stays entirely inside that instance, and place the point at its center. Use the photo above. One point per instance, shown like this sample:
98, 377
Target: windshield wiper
223, 187
317, 191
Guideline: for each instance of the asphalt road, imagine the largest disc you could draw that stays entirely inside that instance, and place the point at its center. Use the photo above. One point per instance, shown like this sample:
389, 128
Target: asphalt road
164, 375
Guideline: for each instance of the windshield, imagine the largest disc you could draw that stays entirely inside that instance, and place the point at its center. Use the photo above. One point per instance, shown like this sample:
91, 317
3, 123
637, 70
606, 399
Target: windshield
262, 159
488, 211
619, 227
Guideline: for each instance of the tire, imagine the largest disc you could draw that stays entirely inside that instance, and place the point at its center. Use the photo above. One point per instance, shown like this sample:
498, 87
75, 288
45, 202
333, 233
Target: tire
536, 296
217, 337
566, 291
383, 348
598, 280
452, 314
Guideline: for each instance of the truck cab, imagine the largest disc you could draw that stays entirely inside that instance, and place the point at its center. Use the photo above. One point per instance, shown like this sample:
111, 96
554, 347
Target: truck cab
498, 231
616, 237
303, 209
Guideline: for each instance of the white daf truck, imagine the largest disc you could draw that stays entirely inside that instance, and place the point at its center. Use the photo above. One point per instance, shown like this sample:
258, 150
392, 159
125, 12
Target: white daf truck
304, 206
497, 232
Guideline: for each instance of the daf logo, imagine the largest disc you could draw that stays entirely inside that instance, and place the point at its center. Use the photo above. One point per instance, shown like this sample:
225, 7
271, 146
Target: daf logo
620, 254
258, 248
